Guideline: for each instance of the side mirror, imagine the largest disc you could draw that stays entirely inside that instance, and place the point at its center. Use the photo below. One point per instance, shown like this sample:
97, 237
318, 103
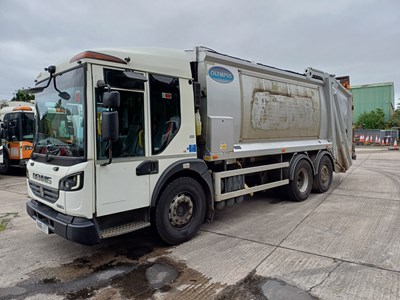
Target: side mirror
11, 131
109, 131
110, 126
110, 122
111, 99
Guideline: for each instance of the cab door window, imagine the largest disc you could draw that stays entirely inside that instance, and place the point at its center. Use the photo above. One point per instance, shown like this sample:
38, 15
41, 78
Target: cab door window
165, 111
131, 139
12, 128
28, 125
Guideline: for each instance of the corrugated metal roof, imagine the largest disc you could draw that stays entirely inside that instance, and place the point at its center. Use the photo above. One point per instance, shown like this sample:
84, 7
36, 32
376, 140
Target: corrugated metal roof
372, 85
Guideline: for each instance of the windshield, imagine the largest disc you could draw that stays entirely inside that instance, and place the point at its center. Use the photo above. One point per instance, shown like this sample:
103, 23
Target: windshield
27, 120
59, 122
20, 126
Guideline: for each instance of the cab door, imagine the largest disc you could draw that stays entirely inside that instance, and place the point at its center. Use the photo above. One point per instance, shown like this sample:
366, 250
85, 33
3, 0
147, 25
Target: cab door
13, 135
124, 184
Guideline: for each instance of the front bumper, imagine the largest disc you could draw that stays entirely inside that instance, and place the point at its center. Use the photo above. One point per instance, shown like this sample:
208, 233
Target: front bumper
76, 229
23, 162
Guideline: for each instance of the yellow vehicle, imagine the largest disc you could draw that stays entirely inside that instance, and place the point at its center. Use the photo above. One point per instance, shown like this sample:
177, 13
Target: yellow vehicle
17, 127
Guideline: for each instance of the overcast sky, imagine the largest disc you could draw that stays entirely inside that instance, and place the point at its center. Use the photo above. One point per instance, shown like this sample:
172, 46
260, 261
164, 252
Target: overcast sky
359, 38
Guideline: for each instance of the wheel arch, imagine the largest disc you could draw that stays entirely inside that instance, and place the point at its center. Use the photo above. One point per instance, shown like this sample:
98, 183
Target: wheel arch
318, 158
194, 168
295, 159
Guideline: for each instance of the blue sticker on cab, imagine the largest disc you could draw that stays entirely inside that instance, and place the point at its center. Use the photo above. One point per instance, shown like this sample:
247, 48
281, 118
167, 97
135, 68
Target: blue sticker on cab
192, 148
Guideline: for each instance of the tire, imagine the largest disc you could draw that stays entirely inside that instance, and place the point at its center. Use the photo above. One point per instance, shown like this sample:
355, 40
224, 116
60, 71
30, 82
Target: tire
5, 166
300, 187
323, 179
180, 211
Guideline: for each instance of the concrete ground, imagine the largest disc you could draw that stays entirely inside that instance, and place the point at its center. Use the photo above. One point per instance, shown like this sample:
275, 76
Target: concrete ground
344, 244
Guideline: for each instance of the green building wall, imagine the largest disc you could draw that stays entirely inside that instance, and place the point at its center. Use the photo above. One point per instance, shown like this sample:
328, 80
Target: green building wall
369, 97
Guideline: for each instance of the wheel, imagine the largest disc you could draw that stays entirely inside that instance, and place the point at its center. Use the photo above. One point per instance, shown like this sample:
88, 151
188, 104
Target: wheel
323, 179
300, 187
5, 166
180, 211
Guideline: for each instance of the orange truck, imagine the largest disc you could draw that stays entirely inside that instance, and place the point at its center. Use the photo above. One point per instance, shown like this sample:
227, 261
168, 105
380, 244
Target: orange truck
16, 133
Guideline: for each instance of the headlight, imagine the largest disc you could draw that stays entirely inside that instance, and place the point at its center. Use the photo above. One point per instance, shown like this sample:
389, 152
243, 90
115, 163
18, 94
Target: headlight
73, 182
26, 148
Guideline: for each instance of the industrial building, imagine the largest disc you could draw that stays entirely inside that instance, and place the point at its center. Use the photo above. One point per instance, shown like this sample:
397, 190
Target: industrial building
369, 97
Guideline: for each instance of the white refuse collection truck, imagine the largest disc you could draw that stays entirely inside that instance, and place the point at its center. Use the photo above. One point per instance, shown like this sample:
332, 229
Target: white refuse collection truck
130, 138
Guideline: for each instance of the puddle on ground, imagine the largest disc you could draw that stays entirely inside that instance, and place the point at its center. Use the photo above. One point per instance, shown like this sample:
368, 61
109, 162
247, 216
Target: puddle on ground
137, 267
261, 288
139, 272
165, 278
274, 289
52, 285
116, 275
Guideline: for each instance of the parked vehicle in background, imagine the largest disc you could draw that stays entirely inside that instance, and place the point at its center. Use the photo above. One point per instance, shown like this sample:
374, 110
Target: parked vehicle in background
132, 138
16, 133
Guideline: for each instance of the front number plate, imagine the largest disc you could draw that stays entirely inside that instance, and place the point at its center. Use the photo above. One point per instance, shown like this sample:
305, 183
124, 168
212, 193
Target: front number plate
43, 227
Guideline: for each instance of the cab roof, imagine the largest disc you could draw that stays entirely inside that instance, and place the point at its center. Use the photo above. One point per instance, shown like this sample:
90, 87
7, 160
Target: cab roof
154, 60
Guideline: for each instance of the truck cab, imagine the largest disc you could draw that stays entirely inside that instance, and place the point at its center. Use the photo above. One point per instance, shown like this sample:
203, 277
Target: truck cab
17, 129
98, 167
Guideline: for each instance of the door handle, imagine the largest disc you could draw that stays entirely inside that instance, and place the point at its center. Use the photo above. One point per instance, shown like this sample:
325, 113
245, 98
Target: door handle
147, 167
154, 167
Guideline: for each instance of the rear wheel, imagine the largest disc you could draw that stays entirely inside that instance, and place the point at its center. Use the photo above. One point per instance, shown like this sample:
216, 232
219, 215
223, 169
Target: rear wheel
180, 210
323, 179
5, 166
300, 187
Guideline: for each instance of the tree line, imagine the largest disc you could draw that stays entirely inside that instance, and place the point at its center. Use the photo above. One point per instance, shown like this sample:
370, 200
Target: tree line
376, 119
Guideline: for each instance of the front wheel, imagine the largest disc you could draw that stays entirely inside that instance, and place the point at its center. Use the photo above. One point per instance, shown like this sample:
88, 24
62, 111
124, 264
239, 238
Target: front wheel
300, 187
180, 211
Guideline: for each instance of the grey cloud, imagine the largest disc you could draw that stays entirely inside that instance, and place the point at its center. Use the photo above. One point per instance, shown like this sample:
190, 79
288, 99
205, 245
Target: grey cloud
359, 38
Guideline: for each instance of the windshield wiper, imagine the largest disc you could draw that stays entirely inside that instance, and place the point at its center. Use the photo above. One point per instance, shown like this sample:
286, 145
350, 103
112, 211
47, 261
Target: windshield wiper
57, 150
50, 151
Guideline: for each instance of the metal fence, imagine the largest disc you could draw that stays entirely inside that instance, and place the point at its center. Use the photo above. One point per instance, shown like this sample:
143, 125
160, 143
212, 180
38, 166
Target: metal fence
376, 137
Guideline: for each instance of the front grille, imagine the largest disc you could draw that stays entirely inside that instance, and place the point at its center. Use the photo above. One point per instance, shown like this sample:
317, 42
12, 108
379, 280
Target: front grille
44, 192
